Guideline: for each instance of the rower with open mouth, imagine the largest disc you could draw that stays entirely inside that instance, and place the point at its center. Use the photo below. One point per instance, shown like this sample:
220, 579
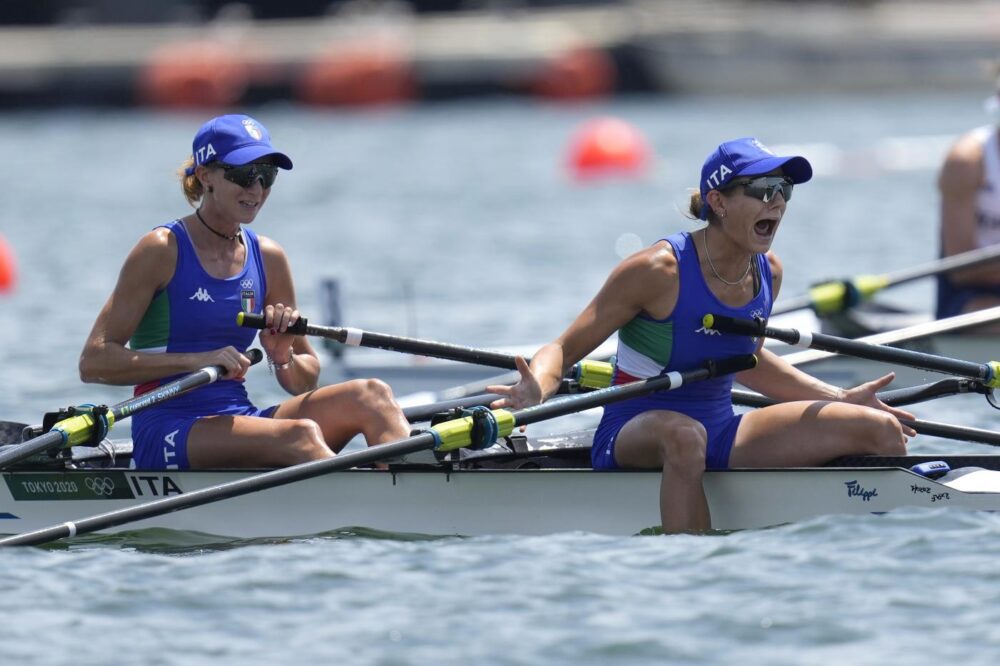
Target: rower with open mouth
656, 300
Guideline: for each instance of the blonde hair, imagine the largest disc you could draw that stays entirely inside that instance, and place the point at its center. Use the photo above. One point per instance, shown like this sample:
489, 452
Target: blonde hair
694, 208
193, 189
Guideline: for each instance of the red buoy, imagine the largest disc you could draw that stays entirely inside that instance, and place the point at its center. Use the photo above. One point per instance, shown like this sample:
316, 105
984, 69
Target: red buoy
608, 146
8, 270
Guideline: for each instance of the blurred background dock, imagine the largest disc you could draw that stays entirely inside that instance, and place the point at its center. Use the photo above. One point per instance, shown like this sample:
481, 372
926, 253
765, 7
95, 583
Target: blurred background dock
212, 53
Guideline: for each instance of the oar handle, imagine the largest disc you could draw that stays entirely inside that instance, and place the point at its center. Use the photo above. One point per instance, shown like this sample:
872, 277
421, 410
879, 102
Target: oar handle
251, 320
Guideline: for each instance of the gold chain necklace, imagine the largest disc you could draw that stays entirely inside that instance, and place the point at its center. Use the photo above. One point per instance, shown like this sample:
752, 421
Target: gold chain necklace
708, 255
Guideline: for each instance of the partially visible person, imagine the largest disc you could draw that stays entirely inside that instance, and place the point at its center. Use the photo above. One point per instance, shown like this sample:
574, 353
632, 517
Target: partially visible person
656, 300
174, 310
969, 184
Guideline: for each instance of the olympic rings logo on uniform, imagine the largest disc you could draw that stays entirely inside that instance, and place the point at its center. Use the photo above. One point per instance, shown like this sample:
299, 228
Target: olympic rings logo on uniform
101, 485
246, 284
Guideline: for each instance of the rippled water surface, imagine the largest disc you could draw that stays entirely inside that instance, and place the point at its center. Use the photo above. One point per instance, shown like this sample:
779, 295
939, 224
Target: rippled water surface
459, 223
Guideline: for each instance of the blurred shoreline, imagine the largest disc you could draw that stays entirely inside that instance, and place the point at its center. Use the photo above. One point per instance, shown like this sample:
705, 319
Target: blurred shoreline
565, 53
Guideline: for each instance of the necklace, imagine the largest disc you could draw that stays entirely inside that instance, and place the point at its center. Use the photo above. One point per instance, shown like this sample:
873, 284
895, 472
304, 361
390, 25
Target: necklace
708, 255
197, 211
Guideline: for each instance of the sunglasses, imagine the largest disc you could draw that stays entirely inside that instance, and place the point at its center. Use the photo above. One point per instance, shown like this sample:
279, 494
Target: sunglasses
245, 175
765, 187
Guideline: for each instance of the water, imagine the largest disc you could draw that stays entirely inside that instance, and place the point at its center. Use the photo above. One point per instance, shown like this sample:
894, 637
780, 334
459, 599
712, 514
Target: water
459, 223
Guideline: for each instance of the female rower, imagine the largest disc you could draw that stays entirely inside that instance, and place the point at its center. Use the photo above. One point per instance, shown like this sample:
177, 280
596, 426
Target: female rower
656, 299
174, 310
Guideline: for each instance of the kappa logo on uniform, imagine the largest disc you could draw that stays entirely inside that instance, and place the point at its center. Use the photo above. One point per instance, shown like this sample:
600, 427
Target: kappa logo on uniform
248, 297
201, 295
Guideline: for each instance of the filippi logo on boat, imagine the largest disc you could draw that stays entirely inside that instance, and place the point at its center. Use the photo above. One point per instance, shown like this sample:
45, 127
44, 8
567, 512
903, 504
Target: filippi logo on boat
855, 489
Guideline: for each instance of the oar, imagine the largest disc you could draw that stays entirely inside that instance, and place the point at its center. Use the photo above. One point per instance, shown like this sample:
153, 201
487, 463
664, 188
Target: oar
933, 428
81, 428
589, 373
838, 295
898, 336
894, 398
445, 436
987, 373
419, 413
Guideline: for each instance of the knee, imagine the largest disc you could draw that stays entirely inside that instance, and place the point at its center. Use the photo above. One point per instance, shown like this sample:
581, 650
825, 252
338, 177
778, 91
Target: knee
374, 394
684, 447
305, 442
887, 434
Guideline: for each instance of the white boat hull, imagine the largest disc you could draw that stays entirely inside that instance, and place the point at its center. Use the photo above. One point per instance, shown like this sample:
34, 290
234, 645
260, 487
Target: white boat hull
476, 502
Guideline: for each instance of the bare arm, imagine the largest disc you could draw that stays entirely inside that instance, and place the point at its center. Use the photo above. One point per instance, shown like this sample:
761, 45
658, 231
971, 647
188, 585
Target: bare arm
279, 313
105, 358
777, 378
645, 281
959, 181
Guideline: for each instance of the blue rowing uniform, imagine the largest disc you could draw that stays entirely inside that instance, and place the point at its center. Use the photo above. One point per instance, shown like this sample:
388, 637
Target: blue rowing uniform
195, 313
649, 347
953, 298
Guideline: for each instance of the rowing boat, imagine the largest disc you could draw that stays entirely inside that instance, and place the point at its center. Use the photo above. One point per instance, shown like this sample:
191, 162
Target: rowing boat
524, 487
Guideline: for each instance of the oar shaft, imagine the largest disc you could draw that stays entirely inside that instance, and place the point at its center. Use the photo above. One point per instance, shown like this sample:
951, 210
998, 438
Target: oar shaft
758, 327
359, 338
601, 397
79, 429
837, 295
590, 373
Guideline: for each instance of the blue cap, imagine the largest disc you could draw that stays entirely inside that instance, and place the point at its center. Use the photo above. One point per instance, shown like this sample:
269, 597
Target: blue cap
746, 157
234, 139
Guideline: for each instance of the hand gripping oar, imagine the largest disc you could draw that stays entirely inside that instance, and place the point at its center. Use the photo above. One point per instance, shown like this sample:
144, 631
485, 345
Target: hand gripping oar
589, 373
835, 296
986, 373
478, 431
83, 428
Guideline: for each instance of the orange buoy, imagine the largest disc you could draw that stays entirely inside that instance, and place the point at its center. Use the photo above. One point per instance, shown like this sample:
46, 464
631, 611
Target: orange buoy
194, 74
608, 146
8, 270
579, 74
360, 75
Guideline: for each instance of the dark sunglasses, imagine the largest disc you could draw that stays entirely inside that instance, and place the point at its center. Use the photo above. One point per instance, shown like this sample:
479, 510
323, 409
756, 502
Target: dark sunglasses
246, 175
765, 187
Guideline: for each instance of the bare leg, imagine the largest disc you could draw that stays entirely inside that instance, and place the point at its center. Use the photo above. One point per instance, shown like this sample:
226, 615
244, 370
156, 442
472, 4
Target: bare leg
254, 442
360, 406
981, 303
812, 433
676, 444
311, 426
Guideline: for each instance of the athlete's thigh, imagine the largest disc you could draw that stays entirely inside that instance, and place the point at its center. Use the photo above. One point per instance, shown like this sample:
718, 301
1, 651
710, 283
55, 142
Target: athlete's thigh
335, 408
799, 433
239, 441
640, 442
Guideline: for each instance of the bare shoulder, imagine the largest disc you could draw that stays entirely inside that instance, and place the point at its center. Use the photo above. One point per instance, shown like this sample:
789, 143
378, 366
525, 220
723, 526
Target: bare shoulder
963, 164
153, 258
657, 260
